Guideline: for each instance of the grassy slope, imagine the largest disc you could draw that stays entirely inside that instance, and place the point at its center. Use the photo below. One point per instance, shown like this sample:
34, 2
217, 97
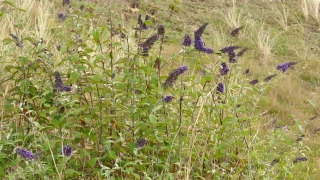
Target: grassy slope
274, 32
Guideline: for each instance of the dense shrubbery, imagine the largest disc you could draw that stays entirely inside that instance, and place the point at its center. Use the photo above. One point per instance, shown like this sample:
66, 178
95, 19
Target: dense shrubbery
106, 104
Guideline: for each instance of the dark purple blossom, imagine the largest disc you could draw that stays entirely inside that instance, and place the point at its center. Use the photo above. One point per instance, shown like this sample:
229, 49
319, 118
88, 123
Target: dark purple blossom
26, 154
173, 76
300, 138
65, 2
233, 58
236, 31
141, 142
220, 88
168, 98
240, 53
161, 30
200, 46
59, 83
247, 71
17, 40
62, 17
187, 40
199, 32
224, 68
285, 66
299, 159
145, 51
66, 150
150, 41
253, 82
142, 25
229, 48
267, 79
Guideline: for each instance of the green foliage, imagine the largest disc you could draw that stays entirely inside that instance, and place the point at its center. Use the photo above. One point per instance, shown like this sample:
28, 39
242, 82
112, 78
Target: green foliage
116, 98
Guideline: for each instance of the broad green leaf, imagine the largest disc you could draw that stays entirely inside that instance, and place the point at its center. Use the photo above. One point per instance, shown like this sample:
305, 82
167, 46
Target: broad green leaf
74, 77
153, 119
96, 36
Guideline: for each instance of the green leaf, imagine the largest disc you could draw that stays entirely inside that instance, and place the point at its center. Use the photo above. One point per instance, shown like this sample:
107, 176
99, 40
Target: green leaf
9, 2
112, 154
63, 49
156, 108
74, 77
75, 57
153, 119
148, 22
70, 172
93, 161
96, 36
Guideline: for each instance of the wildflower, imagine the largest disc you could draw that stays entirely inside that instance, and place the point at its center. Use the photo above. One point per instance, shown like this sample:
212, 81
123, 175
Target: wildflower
137, 91
285, 66
145, 51
224, 68
142, 25
240, 53
229, 48
200, 46
65, 2
173, 76
161, 30
18, 42
199, 32
62, 17
198, 42
168, 98
66, 150
26, 154
187, 40
267, 79
233, 58
247, 71
141, 142
253, 82
150, 41
299, 159
58, 80
220, 88
59, 84
236, 31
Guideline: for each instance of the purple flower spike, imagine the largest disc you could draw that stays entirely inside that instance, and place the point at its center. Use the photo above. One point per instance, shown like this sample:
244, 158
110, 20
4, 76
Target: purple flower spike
285, 66
187, 40
173, 76
253, 82
229, 48
267, 79
236, 31
233, 58
161, 30
142, 25
240, 53
200, 46
66, 150
66, 89
26, 154
168, 98
141, 142
62, 17
199, 32
220, 88
224, 68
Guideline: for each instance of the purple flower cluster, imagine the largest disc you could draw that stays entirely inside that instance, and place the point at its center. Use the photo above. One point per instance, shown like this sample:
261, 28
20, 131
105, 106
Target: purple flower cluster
299, 159
236, 31
66, 150
224, 68
141, 142
229, 48
220, 88
146, 45
198, 42
233, 56
253, 82
66, 2
167, 99
161, 30
267, 79
173, 76
62, 17
142, 25
26, 154
285, 66
187, 40
59, 83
